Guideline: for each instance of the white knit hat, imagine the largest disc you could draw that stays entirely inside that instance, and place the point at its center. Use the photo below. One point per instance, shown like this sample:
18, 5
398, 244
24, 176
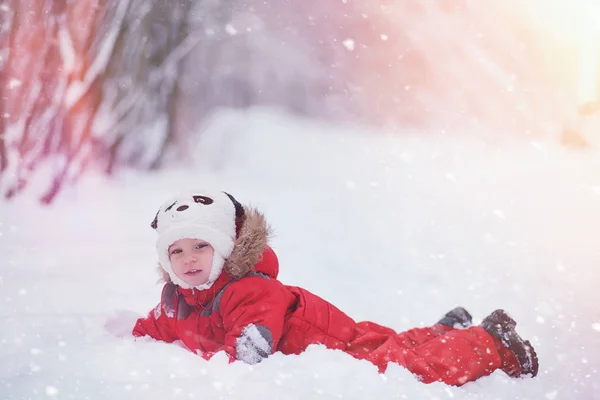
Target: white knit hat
204, 215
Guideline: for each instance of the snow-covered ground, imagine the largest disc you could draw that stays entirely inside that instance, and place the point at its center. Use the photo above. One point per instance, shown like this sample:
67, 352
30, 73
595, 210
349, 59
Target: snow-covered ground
392, 228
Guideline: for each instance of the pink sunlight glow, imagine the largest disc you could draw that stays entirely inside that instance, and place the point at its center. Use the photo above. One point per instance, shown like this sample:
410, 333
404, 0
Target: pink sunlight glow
519, 67
572, 25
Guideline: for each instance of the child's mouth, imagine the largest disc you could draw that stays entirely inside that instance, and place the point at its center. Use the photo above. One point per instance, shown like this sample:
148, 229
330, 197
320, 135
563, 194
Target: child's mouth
193, 272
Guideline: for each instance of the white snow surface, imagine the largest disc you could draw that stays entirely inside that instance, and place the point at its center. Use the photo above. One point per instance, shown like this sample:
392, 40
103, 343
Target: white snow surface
394, 228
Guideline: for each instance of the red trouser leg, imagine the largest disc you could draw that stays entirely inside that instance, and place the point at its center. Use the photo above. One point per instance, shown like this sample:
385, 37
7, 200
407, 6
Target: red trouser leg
378, 343
418, 336
455, 358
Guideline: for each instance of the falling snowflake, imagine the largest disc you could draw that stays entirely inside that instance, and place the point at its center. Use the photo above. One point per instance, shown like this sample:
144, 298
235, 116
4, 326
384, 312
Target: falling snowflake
551, 395
349, 44
13, 83
230, 29
499, 214
51, 391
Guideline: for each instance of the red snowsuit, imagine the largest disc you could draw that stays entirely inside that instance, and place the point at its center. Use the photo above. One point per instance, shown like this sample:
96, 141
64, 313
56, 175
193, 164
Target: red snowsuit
257, 315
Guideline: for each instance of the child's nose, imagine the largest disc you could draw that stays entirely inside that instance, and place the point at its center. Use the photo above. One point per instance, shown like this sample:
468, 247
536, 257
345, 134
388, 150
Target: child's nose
190, 259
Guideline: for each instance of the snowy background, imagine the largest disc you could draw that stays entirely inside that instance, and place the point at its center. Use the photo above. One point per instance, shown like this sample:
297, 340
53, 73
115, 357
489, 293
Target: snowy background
410, 156
396, 230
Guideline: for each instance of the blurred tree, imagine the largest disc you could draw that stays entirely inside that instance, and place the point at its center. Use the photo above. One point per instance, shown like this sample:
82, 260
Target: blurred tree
32, 117
134, 124
6, 22
112, 83
84, 82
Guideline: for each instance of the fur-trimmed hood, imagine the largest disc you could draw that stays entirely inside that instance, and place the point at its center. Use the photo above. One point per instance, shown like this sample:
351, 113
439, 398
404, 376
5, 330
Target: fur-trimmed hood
248, 248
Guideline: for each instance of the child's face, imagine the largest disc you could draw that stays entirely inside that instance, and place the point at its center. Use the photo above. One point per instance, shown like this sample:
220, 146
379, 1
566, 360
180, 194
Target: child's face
191, 260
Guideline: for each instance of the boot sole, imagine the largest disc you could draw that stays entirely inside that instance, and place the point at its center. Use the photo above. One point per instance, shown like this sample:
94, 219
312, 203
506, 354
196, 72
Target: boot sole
526, 356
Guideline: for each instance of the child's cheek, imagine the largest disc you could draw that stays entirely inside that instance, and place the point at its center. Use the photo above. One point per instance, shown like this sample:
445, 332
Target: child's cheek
176, 262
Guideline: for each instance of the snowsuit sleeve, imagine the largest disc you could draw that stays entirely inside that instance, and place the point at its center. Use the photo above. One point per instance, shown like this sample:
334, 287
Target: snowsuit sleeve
158, 324
253, 311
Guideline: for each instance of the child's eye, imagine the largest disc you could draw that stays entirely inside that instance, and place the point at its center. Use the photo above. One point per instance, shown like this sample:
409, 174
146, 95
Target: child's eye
175, 251
201, 246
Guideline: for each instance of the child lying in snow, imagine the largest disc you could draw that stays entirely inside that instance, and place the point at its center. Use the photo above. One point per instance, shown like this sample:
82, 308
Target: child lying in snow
222, 293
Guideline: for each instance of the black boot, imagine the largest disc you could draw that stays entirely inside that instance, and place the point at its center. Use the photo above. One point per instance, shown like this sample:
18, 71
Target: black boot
457, 318
500, 325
